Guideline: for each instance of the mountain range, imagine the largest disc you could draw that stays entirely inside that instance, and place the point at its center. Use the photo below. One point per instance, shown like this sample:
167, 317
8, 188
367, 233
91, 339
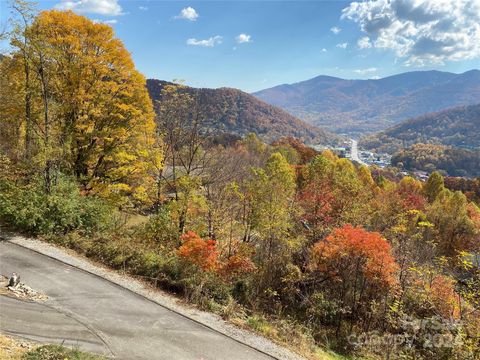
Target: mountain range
458, 127
357, 107
236, 112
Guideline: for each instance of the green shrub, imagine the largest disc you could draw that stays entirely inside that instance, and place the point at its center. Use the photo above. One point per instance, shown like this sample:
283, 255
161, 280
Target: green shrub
30, 209
160, 229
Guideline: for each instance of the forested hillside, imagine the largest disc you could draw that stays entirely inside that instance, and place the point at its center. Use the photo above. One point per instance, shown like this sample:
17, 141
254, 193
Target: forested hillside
426, 157
364, 106
306, 248
236, 112
459, 127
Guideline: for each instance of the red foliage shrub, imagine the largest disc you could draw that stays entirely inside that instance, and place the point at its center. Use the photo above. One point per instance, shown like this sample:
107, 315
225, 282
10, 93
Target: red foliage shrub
199, 252
444, 297
349, 250
237, 265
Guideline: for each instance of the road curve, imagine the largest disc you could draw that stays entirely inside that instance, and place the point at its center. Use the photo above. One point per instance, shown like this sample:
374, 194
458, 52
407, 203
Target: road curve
99, 316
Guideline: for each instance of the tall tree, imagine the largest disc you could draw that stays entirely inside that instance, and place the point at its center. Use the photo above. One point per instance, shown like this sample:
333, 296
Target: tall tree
272, 192
185, 129
25, 12
434, 186
96, 119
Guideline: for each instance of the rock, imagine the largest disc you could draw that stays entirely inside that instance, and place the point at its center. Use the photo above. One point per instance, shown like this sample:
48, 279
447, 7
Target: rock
20, 290
14, 280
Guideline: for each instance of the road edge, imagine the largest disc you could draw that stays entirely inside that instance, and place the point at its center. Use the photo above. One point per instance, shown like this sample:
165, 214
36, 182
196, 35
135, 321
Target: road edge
157, 296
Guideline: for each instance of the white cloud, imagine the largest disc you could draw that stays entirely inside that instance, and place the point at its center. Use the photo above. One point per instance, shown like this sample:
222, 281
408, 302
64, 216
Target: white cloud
335, 30
210, 42
188, 13
365, 71
102, 7
364, 43
243, 38
143, 8
421, 31
108, 22
324, 50
376, 77
342, 45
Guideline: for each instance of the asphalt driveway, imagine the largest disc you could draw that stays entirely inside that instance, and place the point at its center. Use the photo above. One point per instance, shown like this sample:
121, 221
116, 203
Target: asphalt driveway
96, 315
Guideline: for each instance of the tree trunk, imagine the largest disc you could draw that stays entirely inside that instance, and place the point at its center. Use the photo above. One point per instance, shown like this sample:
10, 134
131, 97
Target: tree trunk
28, 112
46, 139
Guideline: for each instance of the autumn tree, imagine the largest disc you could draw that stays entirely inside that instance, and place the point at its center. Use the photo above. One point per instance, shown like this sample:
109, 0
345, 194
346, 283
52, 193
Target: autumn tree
89, 111
186, 131
225, 185
431, 293
305, 153
455, 225
11, 109
271, 227
354, 267
334, 192
434, 186
198, 252
272, 190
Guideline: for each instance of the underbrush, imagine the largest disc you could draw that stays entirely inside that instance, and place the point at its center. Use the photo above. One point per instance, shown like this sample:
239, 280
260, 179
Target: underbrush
162, 268
11, 349
64, 209
149, 247
57, 352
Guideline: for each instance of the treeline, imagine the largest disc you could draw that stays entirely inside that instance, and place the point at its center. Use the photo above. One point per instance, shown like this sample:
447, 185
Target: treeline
301, 246
449, 160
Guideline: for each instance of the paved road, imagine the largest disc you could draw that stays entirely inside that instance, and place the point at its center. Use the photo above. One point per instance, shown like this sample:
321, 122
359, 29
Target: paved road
354, 152
99, 316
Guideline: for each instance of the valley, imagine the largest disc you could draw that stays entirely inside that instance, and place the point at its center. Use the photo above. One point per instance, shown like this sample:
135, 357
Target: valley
358, 107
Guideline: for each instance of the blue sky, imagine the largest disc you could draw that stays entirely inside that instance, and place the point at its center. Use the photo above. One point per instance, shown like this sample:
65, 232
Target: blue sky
253, 45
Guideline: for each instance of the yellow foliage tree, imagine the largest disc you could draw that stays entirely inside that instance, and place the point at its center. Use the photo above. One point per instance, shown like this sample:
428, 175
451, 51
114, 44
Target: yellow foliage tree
97, 120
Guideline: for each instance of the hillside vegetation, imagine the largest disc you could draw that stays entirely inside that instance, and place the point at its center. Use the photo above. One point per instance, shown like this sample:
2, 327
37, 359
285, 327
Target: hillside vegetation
364, 106
11, 349
304, 247
459, 127
236, 112
426, 157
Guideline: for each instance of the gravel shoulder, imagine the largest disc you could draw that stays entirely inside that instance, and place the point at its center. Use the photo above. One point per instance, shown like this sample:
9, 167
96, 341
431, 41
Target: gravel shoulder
159, 297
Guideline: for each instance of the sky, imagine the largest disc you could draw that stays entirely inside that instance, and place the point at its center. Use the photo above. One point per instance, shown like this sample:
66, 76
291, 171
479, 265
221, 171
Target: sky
252, 45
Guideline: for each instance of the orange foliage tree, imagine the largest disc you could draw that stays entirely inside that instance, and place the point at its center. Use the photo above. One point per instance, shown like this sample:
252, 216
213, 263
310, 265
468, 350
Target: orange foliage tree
349, 251
199, 252
355, 269
429, 293
205, 255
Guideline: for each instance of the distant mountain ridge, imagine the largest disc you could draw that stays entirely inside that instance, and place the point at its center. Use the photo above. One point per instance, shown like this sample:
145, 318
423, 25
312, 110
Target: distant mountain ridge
358, 107
458, 127
239, 113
